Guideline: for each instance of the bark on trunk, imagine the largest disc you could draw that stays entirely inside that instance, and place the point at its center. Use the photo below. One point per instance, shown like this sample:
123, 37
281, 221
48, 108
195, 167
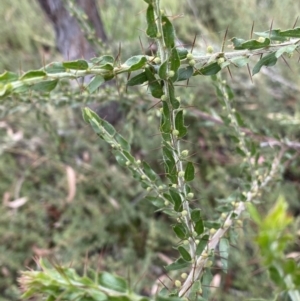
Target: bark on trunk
70, 40
73, 45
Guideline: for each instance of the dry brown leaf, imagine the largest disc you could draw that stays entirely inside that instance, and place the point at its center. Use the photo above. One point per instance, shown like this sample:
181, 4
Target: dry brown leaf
9, 131
71, 178
293, 255
114, 203
164, 258
16, 203
216, 282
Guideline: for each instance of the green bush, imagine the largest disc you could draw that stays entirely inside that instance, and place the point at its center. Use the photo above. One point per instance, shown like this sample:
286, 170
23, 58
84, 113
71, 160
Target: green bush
197, 198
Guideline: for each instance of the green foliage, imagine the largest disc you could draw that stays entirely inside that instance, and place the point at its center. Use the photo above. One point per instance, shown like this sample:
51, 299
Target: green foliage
64, 283
273, 241
20, 36
202, 234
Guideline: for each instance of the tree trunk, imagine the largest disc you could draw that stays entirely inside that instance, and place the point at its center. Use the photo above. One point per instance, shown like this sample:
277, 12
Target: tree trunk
73, 45
70, 39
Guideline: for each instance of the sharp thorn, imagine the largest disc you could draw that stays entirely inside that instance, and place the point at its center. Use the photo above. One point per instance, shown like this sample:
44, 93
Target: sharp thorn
251, 33
248, 67
224, 39
295, 22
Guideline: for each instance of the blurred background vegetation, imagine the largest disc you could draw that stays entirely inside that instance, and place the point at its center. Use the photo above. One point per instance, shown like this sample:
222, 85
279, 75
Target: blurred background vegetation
44, 144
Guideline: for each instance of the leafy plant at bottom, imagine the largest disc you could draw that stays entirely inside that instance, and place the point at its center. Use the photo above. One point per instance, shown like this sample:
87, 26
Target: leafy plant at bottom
273, 239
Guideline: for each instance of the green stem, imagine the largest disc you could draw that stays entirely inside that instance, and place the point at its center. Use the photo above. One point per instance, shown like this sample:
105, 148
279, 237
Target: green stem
164, 53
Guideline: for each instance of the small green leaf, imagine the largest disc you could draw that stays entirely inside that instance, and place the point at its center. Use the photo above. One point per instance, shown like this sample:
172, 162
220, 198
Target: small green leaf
96, 122
202, 244
76, 65
240, 61
107, 126
174, 60
172, 177
255, 44
154, 86
168, 155
291, 33
277, 218
275, 275
175, 103
176, 200
108, 76
290, 266
123, 142
33, 74
165, 119
185, 73
95, 294
224, 64
233, 236
162, 71
240, 151
286, 49
206, 282
8, 77
138, 79
129, 157
170, 166
156, 201
112, 282
184, 253
239, 119
152, 28
237, 43
45, 86
268, 60
179, 124
212, 224
189, 173
168, 32
224, 251
168, 197
235, 139
151, 174
240, 44
278, 35
180, 231
229, 92
20, 89
199, 227
196, 215
135, 63
86, 114
121, 159
5, 90
95, 83
105, 62
177, 265
182, 53
273, 35
195, 290
254, 214
55, 67
253, 148
210, 69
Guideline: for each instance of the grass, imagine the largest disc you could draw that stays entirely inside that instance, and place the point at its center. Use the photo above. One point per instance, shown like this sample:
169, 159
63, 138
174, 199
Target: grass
107, 223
